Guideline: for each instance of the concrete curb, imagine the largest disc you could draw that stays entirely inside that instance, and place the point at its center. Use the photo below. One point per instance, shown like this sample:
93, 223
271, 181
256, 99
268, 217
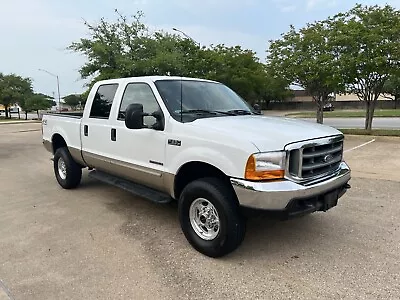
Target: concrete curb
19, 122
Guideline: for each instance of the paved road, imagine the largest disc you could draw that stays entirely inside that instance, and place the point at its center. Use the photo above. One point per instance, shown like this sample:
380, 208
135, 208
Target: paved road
377, 123
99, 242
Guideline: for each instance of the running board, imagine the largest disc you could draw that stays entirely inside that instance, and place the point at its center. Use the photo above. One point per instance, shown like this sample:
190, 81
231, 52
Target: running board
133, 188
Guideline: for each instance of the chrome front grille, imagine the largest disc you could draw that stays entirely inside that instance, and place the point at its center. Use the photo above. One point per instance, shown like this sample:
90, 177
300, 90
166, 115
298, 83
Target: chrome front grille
315, 159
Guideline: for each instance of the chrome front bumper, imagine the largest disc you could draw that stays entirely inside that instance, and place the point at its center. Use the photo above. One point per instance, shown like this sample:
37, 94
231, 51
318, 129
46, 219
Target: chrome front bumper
277, 195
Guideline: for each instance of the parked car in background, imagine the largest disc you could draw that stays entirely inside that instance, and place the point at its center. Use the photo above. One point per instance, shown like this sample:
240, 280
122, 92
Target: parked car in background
329, 107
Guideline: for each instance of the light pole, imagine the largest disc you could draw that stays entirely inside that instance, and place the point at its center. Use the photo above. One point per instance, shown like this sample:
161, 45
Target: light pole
58, 86
187, 36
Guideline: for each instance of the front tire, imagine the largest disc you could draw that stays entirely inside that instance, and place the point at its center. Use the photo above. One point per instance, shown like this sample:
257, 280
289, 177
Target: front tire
210, 218
68, 173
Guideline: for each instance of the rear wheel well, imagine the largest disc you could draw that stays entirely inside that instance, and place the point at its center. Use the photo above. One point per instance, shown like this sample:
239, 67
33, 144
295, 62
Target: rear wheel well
195, 170
58, 142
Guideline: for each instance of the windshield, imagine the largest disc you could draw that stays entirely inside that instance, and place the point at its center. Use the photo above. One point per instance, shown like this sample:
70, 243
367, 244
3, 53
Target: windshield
200, 99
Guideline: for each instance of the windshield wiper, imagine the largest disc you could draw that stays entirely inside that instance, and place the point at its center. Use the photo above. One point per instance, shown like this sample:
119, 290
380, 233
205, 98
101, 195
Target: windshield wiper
204, 111
239, 112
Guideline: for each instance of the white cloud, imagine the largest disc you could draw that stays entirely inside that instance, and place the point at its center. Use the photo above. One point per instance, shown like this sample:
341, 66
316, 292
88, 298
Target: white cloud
37, 38
288, 8
285, 6
214, 4
208, 35
314, 4
36, 33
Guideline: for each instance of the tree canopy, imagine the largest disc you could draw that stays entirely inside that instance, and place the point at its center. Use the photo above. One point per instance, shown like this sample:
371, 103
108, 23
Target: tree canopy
356, 51
127, 48
73, 100
306, 58
36, 102
391, 89
13, 89
366, 40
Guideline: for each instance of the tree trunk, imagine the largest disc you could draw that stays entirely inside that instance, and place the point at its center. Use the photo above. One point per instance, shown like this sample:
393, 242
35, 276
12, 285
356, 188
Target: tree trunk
367, 109
6, 110
320, 114
26, 115
19, 114
37, 114
369, 114
366, 114
320, 104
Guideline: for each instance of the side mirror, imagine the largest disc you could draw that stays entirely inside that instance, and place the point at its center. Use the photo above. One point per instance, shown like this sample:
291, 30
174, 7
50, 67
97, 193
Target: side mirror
257, 108
159, 125
134, 116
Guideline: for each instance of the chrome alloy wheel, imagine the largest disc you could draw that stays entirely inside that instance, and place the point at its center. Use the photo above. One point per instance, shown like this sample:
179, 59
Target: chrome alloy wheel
62, 168
204, 219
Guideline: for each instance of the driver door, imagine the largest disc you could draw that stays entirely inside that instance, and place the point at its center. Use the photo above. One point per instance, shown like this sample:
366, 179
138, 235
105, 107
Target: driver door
139, 154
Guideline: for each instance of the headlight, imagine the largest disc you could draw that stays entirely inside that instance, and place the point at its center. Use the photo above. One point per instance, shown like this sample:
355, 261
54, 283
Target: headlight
264, 166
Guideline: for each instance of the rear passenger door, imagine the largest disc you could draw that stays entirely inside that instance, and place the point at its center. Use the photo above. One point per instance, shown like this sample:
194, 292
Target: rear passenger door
95, 128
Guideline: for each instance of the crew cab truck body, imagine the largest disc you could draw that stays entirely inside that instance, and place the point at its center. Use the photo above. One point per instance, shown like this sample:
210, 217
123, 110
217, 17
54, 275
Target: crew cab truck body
197, 142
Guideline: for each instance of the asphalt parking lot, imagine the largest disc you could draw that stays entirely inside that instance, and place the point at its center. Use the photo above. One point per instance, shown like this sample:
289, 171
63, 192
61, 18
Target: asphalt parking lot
99, 242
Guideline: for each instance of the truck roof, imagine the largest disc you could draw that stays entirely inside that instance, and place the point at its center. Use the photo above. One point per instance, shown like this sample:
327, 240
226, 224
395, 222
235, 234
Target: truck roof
151, 78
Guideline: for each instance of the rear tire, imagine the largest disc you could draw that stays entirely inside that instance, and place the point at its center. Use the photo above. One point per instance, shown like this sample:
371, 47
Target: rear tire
210, 218
68, 173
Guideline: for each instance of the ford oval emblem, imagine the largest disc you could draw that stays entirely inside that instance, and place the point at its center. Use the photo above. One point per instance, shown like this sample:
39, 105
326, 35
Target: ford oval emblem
328, 157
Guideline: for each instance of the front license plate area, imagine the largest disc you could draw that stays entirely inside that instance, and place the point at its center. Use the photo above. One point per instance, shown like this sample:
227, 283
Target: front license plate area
330, 200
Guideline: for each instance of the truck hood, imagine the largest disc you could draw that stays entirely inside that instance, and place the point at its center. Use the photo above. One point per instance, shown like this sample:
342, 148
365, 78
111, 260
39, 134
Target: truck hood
266, 133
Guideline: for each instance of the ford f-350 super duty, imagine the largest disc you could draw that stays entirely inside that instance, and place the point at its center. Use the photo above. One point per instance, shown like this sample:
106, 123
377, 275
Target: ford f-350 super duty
197, 142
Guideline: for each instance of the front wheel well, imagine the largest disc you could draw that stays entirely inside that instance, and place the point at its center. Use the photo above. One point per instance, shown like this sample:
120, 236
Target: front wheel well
58, 142
195, 170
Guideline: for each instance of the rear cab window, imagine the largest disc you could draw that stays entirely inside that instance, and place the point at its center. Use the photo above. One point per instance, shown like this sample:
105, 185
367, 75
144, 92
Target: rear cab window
103, 100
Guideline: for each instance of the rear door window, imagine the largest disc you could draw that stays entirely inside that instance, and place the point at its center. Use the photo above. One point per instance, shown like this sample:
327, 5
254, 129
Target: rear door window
102, 101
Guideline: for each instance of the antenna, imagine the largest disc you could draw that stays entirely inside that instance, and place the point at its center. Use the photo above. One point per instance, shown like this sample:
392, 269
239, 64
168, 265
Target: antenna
181, 99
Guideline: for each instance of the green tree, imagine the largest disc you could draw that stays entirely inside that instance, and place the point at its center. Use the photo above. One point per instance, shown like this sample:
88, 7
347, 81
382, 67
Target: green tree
27, 105
127, 48
306, 58
23, 104
73, 100
274, 89
391, 89
238, 68
37, 102
367, 40
13, 89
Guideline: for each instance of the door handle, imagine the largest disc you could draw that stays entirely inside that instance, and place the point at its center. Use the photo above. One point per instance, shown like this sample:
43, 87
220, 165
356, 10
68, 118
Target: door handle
86, 130
113, 134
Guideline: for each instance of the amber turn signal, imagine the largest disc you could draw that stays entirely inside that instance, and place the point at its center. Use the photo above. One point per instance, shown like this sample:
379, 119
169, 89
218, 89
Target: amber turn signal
251, 172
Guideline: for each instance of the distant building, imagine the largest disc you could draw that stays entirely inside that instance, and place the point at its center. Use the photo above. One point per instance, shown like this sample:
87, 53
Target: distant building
300, 96
352, 97
13, 108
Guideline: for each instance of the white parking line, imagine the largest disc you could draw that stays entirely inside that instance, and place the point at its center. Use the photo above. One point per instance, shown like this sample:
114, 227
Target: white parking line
4, 292
359, 146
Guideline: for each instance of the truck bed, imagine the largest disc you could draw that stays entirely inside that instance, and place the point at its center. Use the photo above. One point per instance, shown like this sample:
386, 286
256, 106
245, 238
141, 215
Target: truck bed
74, 114
68, 125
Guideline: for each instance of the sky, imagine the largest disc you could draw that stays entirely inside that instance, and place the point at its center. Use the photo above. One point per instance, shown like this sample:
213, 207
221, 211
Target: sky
36, 33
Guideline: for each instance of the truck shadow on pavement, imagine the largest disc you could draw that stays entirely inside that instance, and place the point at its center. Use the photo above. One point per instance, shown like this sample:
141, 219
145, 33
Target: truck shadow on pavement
157, 228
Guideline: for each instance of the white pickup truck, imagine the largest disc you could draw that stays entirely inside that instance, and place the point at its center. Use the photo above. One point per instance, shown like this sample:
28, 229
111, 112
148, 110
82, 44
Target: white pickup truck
197, 142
